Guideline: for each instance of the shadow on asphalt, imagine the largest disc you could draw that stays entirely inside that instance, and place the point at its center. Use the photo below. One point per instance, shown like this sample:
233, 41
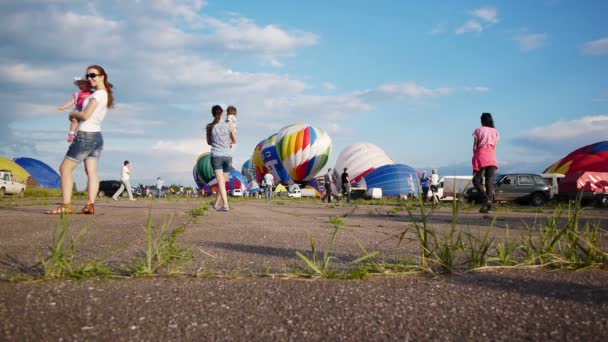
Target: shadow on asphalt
562, 290
272, 251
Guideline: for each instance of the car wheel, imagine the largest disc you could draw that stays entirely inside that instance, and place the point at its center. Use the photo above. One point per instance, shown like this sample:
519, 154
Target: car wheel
537, 199
101, 193
22, 193
2, 192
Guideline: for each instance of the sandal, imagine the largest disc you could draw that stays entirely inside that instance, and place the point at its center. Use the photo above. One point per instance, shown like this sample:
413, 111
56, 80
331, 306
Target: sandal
88, 209
62, 209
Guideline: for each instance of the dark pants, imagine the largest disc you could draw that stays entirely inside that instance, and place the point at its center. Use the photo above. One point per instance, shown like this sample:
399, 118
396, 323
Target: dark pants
487, 195
425, 193
346, 191
327, 192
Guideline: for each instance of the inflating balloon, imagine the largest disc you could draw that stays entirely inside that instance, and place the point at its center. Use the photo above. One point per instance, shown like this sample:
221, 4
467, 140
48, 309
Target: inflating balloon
394, 180
590, 158
204, 169
42, 173
303, 150
360, 159
272, 161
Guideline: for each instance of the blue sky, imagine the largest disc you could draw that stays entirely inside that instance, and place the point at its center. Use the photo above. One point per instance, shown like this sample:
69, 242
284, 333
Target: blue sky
412, 77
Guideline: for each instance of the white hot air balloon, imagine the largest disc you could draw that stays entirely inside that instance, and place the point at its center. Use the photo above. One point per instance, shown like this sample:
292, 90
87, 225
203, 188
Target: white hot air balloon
360, 159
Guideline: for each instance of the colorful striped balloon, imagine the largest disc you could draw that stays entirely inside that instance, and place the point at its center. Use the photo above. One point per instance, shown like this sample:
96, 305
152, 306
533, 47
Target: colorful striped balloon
257, 161
273, 162
204, 169
303, 150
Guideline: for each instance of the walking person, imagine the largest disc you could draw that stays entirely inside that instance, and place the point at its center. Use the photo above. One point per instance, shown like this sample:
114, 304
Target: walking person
269, 182
485, 140
346, 185
424, 184
159, 185
328, 180
435, 186
88, 144
221, 135
125, 175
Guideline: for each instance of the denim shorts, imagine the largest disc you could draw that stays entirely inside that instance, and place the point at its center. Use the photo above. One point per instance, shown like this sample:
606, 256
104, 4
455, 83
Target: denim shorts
221, 163
87, 145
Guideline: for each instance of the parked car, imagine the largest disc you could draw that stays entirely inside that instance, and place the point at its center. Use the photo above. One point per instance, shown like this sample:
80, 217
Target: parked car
517, 187
296, 193
10, 185
109, 187
236, 193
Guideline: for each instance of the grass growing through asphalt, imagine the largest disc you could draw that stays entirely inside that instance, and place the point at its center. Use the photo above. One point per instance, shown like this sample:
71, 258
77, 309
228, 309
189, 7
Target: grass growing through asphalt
163, 252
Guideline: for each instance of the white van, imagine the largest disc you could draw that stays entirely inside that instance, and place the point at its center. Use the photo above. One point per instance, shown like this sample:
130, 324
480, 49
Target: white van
453, 186
296, 193
552, 180
374, 193
236, 193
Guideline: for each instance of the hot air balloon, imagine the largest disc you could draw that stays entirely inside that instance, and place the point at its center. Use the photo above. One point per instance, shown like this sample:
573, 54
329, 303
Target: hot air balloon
361, 159
204, 169
394, 180
257, 161
19, 172
236, 180
591, 158
273, 163
198, 182
248, 170
303, 150
44, 174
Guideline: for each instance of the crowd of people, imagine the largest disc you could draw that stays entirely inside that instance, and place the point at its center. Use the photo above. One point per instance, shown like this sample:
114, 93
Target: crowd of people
95, 96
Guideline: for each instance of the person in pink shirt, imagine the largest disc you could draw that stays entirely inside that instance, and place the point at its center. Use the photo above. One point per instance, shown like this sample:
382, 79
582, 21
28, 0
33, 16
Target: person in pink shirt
77, 100
485, 139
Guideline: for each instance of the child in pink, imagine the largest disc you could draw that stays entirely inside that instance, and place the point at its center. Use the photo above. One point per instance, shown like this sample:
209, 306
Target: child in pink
485, 139
77, 100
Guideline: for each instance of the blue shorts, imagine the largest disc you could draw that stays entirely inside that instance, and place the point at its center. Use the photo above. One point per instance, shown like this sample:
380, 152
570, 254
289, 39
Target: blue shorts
87, 145
221, 163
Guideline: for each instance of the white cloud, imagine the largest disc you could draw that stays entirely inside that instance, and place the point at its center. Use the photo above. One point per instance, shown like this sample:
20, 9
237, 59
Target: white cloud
596, 47
530, 41
558, 138
587, 128
482, 19
470, 26
191, 147
409, 90
487, 14
329, 86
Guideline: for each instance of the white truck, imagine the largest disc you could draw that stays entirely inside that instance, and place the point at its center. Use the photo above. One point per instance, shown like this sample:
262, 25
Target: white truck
308, 192
10, 185
454, 186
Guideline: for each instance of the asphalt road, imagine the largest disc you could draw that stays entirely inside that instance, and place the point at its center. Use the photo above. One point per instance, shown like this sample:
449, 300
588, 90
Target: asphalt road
226, 303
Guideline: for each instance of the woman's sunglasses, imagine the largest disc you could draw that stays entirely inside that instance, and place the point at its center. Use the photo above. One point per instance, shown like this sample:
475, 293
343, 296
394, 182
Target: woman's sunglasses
92, 75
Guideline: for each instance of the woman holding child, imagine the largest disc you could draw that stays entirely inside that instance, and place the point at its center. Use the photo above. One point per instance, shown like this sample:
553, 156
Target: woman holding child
221, 134
88, 144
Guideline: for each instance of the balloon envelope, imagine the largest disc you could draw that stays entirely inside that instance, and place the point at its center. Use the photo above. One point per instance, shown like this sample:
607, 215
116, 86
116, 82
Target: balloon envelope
204, 169
303, 150
590, 158
394, 180
19, 172
248, 171
236, 180
44, 174
361, 159
257, 161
